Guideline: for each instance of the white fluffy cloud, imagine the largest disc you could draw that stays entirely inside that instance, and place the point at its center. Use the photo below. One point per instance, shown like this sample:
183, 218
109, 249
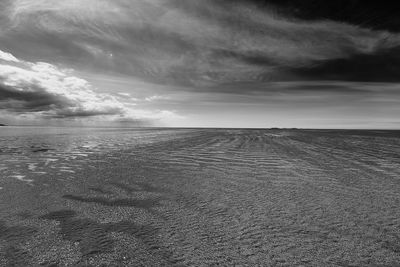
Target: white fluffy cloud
7, 57
44, 90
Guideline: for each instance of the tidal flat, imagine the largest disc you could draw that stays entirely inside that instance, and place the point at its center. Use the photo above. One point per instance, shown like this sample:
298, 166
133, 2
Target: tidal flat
199, 197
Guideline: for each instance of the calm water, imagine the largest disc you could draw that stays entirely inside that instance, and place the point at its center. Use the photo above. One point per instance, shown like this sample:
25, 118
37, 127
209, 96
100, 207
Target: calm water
28, 152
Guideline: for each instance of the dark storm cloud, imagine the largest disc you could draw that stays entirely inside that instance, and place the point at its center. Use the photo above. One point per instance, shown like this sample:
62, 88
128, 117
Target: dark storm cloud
35, 100
382, 66
375, 14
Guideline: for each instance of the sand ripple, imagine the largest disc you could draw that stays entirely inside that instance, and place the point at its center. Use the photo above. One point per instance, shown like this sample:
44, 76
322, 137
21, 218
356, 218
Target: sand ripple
211, 198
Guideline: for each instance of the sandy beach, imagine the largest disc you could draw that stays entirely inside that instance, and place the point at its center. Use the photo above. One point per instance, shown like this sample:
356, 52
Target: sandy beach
210, 198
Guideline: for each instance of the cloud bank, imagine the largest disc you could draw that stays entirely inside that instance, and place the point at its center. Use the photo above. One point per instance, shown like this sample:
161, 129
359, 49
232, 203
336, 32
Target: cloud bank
46, 91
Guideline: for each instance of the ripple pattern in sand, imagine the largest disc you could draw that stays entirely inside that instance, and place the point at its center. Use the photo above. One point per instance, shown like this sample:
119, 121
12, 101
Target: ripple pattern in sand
235, 198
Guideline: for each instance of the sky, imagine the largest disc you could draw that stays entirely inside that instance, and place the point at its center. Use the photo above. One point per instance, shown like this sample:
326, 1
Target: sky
200, 63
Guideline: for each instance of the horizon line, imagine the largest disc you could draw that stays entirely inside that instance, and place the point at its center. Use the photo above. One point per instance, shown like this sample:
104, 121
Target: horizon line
202, 127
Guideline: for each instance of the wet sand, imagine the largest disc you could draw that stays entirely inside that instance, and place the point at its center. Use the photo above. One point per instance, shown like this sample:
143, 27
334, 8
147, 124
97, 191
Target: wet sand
213, 198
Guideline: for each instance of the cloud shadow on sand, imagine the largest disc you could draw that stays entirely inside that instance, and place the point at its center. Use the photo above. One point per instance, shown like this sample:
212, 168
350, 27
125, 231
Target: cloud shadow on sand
14, 237
107, 196
126, 202
94, 237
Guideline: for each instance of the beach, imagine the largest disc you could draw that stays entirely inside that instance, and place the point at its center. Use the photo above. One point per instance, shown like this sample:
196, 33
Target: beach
200, 197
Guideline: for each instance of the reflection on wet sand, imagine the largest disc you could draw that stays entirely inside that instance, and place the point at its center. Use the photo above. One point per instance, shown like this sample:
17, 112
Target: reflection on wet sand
63, 150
